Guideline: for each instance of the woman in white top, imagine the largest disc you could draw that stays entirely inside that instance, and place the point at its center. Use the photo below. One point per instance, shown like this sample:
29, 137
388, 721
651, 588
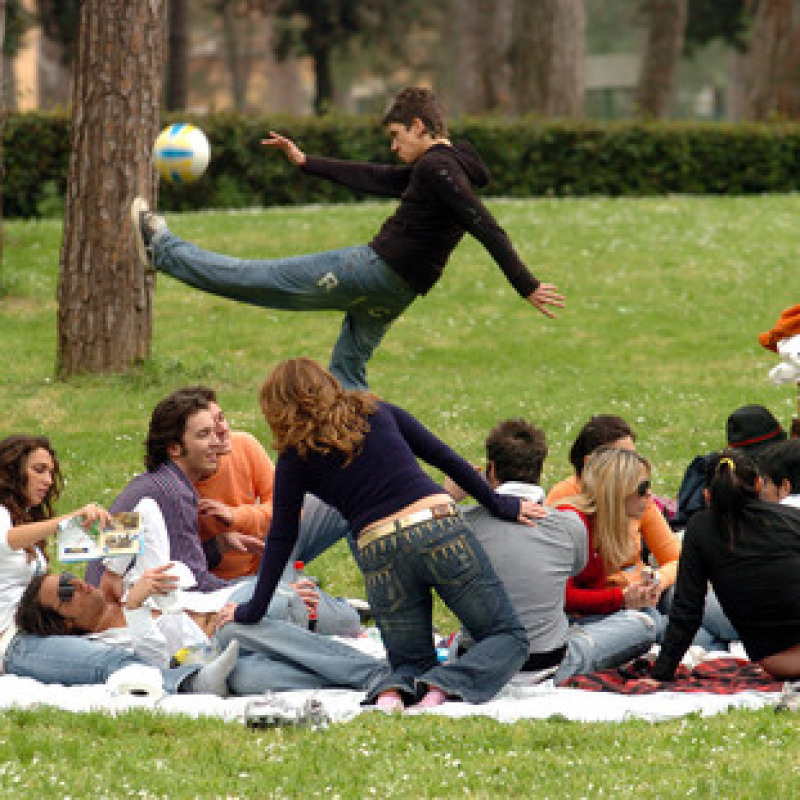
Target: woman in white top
30, 482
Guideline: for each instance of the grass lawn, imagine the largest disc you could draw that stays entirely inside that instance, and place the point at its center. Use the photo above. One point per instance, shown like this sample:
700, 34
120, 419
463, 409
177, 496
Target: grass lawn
666, 297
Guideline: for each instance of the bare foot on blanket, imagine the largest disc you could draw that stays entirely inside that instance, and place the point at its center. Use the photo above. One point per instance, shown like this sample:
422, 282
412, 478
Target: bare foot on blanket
434, 697
389, 701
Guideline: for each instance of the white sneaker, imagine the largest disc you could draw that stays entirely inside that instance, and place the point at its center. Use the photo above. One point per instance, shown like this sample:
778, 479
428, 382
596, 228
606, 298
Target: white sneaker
790, 697
272, 711
146, 225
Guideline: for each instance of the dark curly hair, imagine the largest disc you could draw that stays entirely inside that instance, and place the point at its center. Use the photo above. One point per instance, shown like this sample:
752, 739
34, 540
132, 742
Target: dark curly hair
168, 425
517, 450
417, 102
601, 429
34, 617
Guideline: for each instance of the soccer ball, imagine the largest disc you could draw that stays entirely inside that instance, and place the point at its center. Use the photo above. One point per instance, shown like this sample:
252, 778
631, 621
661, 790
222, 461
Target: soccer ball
181, 153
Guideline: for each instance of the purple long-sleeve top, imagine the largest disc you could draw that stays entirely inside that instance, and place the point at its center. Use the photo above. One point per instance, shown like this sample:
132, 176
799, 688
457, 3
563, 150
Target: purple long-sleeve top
177, 499
382, 479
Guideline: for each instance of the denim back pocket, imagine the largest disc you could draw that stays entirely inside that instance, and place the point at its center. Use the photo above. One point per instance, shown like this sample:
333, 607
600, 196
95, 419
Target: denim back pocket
453, 560
385, 590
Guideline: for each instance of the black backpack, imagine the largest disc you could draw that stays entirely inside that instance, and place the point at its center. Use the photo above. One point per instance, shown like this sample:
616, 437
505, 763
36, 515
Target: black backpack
690, 494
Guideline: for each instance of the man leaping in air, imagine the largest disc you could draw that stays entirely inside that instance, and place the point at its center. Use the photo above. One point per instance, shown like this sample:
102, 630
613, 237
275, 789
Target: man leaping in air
373, 284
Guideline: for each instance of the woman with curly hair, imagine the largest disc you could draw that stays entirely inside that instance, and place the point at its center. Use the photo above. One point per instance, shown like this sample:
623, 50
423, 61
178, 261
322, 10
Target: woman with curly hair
749, 550
359, 454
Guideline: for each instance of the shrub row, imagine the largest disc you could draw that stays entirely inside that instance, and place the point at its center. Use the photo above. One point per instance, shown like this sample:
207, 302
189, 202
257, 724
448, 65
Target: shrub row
527, 158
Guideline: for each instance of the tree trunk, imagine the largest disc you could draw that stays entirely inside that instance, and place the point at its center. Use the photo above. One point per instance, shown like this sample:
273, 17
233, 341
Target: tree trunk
104, 295
177, 94
666, 26
236, 55
2, 124
772, 64
548, 57
482, 33
324, 80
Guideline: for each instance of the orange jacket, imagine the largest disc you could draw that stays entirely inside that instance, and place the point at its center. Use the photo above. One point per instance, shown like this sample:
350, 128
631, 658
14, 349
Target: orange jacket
788, 324
245, 480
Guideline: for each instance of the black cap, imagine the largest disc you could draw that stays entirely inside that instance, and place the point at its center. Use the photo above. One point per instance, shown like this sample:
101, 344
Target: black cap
752, 428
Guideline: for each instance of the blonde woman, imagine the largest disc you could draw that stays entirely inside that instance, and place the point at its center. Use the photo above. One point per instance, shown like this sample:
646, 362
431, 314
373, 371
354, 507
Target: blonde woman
359, 455
615, 490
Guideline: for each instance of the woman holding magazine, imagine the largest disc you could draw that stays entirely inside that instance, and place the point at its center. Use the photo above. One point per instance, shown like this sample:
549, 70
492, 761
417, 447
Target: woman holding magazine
30, 482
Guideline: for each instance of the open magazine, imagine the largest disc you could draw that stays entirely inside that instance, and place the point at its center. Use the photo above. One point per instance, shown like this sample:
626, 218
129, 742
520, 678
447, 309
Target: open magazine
123, 536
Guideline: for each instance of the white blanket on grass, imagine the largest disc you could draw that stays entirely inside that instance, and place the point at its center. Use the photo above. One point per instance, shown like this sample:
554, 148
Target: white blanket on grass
518, 701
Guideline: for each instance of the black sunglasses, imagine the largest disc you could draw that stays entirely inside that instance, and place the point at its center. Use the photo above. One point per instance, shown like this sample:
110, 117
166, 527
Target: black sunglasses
643, 489
66, 587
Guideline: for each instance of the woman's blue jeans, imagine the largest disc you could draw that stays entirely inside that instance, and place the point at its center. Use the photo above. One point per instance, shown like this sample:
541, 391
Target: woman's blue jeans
354, 280
400, 572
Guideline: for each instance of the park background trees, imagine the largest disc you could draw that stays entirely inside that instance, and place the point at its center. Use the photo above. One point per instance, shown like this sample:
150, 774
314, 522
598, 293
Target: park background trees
499, 57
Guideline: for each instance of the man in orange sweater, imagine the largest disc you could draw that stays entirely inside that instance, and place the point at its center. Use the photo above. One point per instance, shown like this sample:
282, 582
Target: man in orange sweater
238, 497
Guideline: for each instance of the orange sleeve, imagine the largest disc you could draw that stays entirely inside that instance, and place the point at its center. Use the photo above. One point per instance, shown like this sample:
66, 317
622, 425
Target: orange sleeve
566, 488
653, 529
256, 518
661, 542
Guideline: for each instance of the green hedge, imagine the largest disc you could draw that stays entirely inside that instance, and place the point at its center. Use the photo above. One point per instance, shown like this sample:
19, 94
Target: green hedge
526, 157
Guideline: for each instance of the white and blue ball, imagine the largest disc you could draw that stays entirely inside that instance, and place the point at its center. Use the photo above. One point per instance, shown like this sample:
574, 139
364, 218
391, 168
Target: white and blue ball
181, 153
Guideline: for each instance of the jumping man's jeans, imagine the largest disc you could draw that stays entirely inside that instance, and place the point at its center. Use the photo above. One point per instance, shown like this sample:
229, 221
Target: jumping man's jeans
353, 279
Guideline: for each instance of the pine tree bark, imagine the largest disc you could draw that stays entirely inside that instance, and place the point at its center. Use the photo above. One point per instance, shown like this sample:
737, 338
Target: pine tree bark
104, 295
772, 63
177, 92
2, 124
482, 33
666, 26
548, 64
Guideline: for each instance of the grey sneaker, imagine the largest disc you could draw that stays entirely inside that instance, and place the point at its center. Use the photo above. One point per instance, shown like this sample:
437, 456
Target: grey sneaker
361, 607
790, 697
146, 225
272, 711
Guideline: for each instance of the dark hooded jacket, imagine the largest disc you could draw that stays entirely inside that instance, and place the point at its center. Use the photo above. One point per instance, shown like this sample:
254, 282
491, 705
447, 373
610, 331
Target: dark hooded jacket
437, 205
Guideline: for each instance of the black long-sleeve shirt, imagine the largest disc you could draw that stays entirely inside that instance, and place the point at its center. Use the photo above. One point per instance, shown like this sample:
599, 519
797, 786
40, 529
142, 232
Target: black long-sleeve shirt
756, 581
437, 205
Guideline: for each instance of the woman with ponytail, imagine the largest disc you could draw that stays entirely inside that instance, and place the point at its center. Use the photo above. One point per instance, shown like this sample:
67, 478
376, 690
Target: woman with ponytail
749, 550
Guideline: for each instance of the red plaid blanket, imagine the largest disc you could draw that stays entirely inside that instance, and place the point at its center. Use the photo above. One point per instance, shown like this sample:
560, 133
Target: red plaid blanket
716, 676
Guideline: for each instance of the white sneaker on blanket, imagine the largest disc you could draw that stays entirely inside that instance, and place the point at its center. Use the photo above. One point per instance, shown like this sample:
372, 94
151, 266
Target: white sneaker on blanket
790, 697
272, 712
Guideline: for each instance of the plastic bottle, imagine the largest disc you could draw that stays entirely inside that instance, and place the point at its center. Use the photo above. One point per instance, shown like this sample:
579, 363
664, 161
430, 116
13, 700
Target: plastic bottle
299, 567
195, 654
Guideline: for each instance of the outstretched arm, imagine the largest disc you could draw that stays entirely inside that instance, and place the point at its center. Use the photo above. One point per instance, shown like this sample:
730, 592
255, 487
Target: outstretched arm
546, 294
454, 189
292, 152
31, 533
